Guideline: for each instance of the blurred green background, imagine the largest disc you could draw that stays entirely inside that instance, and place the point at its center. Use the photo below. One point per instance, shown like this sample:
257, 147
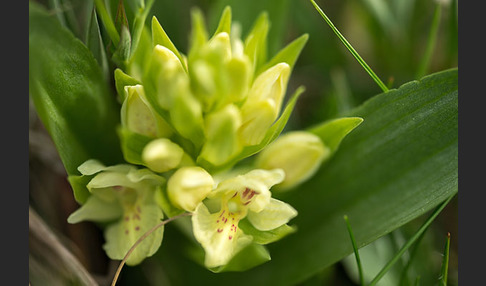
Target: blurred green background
391, 35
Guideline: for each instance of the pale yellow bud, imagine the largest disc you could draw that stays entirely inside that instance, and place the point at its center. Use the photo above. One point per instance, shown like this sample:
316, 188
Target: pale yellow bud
298, 153
161, 155
169, 69
188, 186
222, 140
263, 104
139, 117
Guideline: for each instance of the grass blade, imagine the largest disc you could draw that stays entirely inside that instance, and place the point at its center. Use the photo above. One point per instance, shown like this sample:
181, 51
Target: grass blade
414, 238
351, 49
445, 262
356, 252
432, 40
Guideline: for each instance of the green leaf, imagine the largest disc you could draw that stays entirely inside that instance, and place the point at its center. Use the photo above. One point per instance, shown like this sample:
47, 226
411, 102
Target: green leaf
139, 24
400, 163
224, 22
78, 184
122, 80
256, 41
160, 37
95, 44
332, 132
70, 95
288, 55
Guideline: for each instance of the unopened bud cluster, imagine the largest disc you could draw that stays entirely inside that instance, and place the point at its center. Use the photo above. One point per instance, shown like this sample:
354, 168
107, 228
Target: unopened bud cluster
187, 119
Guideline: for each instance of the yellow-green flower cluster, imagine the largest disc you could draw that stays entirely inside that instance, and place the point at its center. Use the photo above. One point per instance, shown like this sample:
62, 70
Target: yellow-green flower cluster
187, 120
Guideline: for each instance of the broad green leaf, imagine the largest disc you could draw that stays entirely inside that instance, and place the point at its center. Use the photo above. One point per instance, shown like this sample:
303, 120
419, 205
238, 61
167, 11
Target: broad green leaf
398, 164
70, 95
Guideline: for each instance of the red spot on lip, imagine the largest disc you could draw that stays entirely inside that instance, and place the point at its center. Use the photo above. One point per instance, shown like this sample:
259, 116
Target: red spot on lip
127, 218
126, 231
245, 193
137, 228
230, 237
220, 230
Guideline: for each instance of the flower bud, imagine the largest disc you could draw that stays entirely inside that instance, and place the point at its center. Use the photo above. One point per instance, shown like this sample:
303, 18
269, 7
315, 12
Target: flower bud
139, 117
265, 97
222, 140
188, 186
298, 153
161, 155
166, 68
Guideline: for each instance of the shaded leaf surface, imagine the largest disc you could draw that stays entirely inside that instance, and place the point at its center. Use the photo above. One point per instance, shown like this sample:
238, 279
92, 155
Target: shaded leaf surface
70, 94
398, 164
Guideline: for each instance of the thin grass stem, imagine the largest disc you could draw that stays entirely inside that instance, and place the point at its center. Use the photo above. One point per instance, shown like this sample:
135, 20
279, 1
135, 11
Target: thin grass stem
115, 278
404, 277
432, 40
351, 49
407, 245
445, 262
107, 21
356, 253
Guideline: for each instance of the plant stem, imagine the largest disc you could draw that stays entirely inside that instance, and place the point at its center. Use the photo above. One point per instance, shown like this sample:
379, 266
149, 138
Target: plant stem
115, 278
107, 21
351, 49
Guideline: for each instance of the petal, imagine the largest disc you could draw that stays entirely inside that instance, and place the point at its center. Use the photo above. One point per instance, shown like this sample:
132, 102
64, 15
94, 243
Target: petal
96, 209
188, 186
275, 214
136, 221
219, 236
267, 177
91, 167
